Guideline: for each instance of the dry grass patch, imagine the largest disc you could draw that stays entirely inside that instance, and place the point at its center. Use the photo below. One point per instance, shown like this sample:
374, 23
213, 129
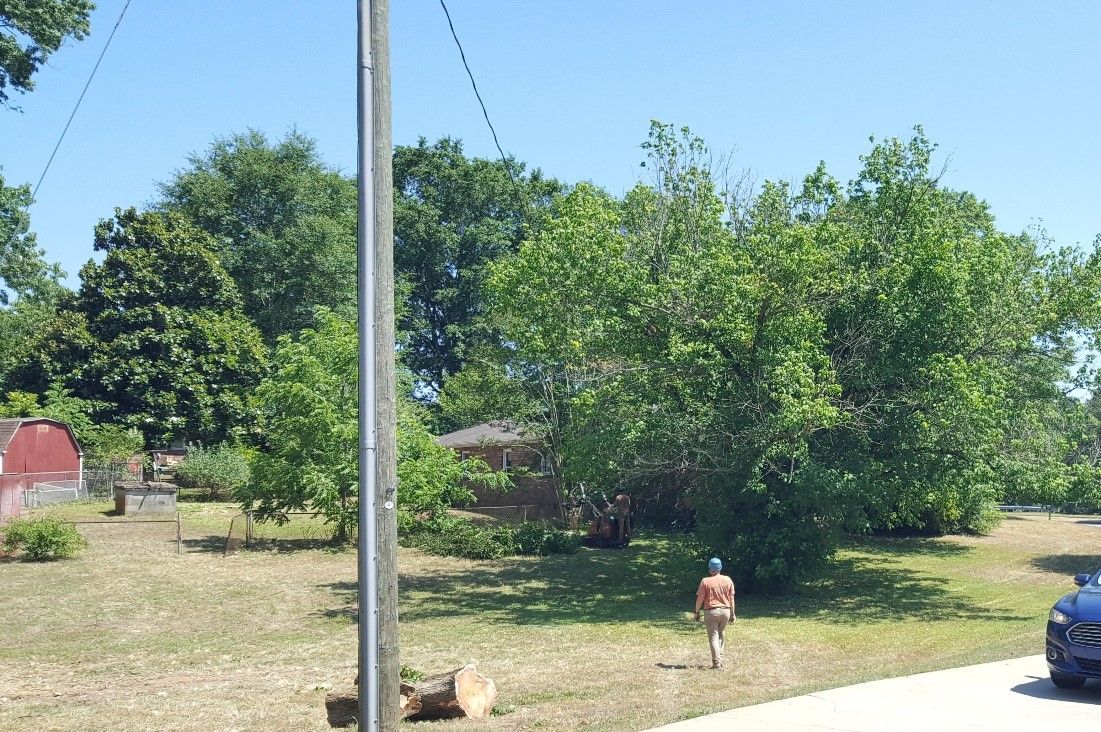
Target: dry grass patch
143, 639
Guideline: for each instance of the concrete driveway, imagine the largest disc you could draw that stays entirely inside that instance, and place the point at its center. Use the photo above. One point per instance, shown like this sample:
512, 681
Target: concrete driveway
1004, 696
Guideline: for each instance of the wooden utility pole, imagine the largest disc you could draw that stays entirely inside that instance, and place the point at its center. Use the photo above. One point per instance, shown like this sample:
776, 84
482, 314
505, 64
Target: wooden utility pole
385, 389
379, 667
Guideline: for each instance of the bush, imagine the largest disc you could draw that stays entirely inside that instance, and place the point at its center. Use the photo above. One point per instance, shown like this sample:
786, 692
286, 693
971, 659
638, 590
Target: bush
544, 538
43, 539
450, 536
222, 470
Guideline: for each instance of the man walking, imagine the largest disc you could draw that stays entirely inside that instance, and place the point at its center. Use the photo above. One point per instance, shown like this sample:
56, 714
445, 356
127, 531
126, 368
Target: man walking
715, 602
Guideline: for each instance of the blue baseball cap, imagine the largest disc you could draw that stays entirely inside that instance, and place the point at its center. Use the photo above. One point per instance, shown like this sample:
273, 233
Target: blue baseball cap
715, 564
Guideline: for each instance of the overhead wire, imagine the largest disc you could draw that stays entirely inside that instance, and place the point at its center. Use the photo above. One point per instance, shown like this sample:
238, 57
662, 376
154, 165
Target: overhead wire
81, 98
474, 84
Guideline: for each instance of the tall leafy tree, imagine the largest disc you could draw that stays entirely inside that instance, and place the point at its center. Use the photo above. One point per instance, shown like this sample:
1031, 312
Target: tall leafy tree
309, 419
283, 224
155, 337
871, 357
31, 30
453, 215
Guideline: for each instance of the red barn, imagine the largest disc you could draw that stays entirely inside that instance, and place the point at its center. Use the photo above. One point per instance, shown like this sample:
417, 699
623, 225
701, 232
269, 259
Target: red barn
35, 450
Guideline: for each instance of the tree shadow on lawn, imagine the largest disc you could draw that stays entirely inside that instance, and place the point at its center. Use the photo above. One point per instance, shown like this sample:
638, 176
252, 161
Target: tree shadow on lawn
655, 582
1068, 564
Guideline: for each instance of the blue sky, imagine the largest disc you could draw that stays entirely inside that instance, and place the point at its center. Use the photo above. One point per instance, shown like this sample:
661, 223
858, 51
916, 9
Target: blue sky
1012, 95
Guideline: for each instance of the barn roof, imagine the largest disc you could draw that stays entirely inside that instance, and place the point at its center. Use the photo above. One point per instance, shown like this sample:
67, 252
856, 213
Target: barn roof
503, 432
8, 428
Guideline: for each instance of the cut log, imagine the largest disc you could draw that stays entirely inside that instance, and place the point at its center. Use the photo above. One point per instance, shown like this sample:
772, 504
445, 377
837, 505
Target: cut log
409, 700
460, 693
343, 708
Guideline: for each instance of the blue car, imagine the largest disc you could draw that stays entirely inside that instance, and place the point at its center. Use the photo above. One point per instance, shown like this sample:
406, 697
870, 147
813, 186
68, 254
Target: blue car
1074, 634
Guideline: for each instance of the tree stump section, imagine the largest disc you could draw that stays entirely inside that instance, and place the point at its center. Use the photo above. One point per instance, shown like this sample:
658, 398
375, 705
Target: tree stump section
460, 693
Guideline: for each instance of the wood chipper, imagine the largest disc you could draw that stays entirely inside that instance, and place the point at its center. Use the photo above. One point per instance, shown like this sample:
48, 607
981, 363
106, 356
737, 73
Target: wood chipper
609, 528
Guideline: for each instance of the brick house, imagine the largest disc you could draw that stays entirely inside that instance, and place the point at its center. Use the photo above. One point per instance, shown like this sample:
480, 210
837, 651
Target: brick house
504, 447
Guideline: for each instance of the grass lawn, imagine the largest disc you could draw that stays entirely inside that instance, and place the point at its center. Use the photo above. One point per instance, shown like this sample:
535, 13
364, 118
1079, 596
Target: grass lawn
130, 636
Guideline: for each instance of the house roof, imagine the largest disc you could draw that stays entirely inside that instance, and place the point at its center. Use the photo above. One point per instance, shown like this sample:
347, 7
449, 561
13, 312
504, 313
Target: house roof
8, 428
502, 432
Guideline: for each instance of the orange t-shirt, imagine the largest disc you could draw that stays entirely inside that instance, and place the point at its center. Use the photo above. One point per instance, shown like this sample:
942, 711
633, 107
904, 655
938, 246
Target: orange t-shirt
716, 591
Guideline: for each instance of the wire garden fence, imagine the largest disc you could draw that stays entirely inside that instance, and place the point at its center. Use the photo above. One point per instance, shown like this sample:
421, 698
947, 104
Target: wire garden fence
288, 530
133, 536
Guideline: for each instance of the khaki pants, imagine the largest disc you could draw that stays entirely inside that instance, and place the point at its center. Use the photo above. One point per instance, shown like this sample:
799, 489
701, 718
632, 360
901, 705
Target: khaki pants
716, 620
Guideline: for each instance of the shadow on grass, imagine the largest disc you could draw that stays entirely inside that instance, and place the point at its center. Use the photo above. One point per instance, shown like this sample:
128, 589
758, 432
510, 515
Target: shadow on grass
908, 546
289, 545
212, 544
654, 581
216, 544
1068, 564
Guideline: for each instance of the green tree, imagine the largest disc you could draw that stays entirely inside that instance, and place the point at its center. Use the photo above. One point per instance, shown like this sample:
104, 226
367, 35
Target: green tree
453, 215
155, 337
31, 30
24, 272
283, 225
29, 286
309, 420
808, 361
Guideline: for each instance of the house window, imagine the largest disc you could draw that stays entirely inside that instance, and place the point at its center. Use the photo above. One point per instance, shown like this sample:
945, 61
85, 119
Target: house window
464, 455
545, 464
506, 459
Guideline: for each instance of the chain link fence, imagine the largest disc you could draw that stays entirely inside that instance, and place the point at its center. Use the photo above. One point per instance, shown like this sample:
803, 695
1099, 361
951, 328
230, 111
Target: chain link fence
518, 514
101, 477
47, 490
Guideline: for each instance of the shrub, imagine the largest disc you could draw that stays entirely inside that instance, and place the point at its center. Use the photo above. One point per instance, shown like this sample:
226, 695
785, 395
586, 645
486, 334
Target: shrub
542, 538
43, 539
449, 536
558, 541
222, 469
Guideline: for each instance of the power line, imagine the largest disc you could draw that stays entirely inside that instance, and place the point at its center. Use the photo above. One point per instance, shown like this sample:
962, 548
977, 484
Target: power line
508, 168
81, 98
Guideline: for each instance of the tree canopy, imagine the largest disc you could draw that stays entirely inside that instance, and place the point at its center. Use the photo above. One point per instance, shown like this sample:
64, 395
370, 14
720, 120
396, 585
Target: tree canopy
453, 215
282, 223
155, 337
31, 30
29, 286
834, 357
309, 425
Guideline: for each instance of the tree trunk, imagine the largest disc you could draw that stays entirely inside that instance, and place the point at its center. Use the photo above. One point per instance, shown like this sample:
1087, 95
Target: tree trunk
460, 693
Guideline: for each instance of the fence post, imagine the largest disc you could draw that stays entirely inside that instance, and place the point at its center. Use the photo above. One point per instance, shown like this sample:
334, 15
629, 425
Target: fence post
179, 534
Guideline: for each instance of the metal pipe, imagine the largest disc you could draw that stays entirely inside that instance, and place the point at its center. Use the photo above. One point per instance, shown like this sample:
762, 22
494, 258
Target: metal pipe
367, 564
